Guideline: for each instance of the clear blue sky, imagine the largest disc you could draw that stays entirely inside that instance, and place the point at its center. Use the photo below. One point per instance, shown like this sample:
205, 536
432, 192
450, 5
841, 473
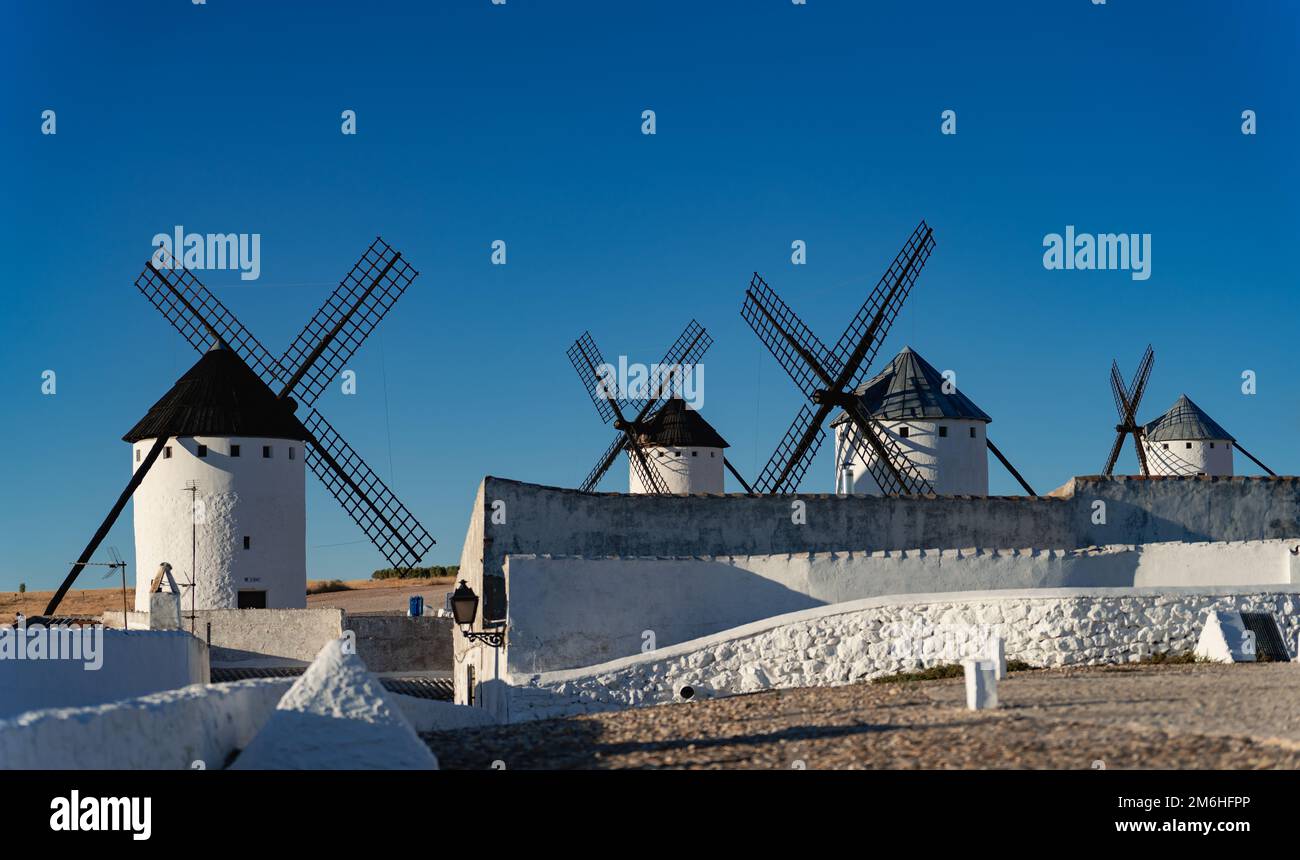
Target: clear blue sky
522, 122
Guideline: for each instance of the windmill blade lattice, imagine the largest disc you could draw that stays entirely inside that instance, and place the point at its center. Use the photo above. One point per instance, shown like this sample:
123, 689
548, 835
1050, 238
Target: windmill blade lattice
587, 361
200, 317
335, 332
883, 305
586, 358
385, 520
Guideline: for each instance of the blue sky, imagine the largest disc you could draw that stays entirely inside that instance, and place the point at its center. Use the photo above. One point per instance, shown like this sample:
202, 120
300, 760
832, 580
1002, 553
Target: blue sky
522, 122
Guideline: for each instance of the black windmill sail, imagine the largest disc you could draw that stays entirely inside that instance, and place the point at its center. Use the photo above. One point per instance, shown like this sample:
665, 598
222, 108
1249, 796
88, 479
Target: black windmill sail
1127, 399
829, 377
634, 419
296, 379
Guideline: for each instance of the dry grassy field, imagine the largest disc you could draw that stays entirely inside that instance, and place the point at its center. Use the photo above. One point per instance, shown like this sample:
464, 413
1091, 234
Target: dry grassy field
359, 595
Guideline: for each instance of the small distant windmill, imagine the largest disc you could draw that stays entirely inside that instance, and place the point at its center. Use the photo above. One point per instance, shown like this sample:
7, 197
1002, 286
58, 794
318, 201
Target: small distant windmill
633, 418
296, 379
1127, 399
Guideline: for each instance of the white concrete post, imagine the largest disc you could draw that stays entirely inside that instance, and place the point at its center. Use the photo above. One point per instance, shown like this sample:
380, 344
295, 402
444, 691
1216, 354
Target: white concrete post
997, 652
164, 611
981, 684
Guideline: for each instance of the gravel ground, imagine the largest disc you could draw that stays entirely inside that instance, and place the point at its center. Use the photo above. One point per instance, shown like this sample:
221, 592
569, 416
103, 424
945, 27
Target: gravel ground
1192, 716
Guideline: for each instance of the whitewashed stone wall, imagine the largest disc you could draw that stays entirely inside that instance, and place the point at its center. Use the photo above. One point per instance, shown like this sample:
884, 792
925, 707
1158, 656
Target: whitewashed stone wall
565, 613
849, 642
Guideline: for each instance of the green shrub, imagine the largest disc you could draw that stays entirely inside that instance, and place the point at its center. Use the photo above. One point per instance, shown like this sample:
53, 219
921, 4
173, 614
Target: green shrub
947, 670
433, 572
22, 588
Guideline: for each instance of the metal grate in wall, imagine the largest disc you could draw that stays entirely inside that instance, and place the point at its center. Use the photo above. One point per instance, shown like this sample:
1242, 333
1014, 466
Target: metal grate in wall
439, 689
1269, 645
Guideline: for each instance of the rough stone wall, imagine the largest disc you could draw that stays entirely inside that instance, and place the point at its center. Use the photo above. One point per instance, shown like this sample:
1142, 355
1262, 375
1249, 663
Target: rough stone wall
396, 643
857, 641
251, 637
541, 520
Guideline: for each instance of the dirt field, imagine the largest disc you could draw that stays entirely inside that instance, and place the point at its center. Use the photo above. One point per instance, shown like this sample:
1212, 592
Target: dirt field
1197, 716
384, 595
363, 595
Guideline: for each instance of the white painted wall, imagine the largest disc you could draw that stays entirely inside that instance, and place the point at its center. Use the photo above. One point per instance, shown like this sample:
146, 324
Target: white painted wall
249, 495
199, 723
131, 663
1189, 457
684, 470
955, 464
851, 642
570, 612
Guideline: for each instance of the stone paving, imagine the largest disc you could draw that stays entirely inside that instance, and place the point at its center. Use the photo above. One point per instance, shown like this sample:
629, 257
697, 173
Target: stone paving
1184, 716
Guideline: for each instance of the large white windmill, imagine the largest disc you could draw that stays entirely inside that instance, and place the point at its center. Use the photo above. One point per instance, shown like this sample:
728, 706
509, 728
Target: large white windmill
230, 427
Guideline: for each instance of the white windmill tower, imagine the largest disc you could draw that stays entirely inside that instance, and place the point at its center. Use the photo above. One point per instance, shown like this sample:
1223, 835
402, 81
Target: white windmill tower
229, 436
938, 428
1186, 441
683, 448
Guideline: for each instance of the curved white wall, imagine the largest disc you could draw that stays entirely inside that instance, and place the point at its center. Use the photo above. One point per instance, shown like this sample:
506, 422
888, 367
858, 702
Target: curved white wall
1189, 457
850, 642
249, 495
684, 470
955, 465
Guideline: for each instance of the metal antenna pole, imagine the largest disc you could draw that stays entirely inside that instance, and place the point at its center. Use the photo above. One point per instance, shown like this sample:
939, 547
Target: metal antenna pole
125, 625
193, 487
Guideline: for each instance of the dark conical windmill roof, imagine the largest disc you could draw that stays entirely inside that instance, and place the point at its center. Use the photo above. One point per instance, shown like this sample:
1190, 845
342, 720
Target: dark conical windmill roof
219, 396
910, 387
1185, 421
677, 425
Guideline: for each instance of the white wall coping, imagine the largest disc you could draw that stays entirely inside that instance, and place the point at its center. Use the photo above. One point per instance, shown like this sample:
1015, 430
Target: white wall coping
754, 628
921, 552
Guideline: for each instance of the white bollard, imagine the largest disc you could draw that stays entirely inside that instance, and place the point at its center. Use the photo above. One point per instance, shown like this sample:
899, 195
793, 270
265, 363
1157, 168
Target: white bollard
981, 684
997, 652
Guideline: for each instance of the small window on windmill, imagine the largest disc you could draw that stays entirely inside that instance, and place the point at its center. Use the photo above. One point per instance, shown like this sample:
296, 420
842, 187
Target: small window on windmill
201, 450
1189, 444
695, 453
234, 450
290, 452
1165, 445
902, 431
248, 542
972, 432
713, 453
266, 452
1211, 444
1269, 645
137, 455
167, 452
943, 430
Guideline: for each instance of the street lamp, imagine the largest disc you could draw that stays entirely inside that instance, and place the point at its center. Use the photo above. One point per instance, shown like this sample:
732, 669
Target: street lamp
464, 607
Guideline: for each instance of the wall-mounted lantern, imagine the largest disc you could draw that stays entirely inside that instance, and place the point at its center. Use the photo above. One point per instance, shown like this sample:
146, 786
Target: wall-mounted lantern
464, 608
